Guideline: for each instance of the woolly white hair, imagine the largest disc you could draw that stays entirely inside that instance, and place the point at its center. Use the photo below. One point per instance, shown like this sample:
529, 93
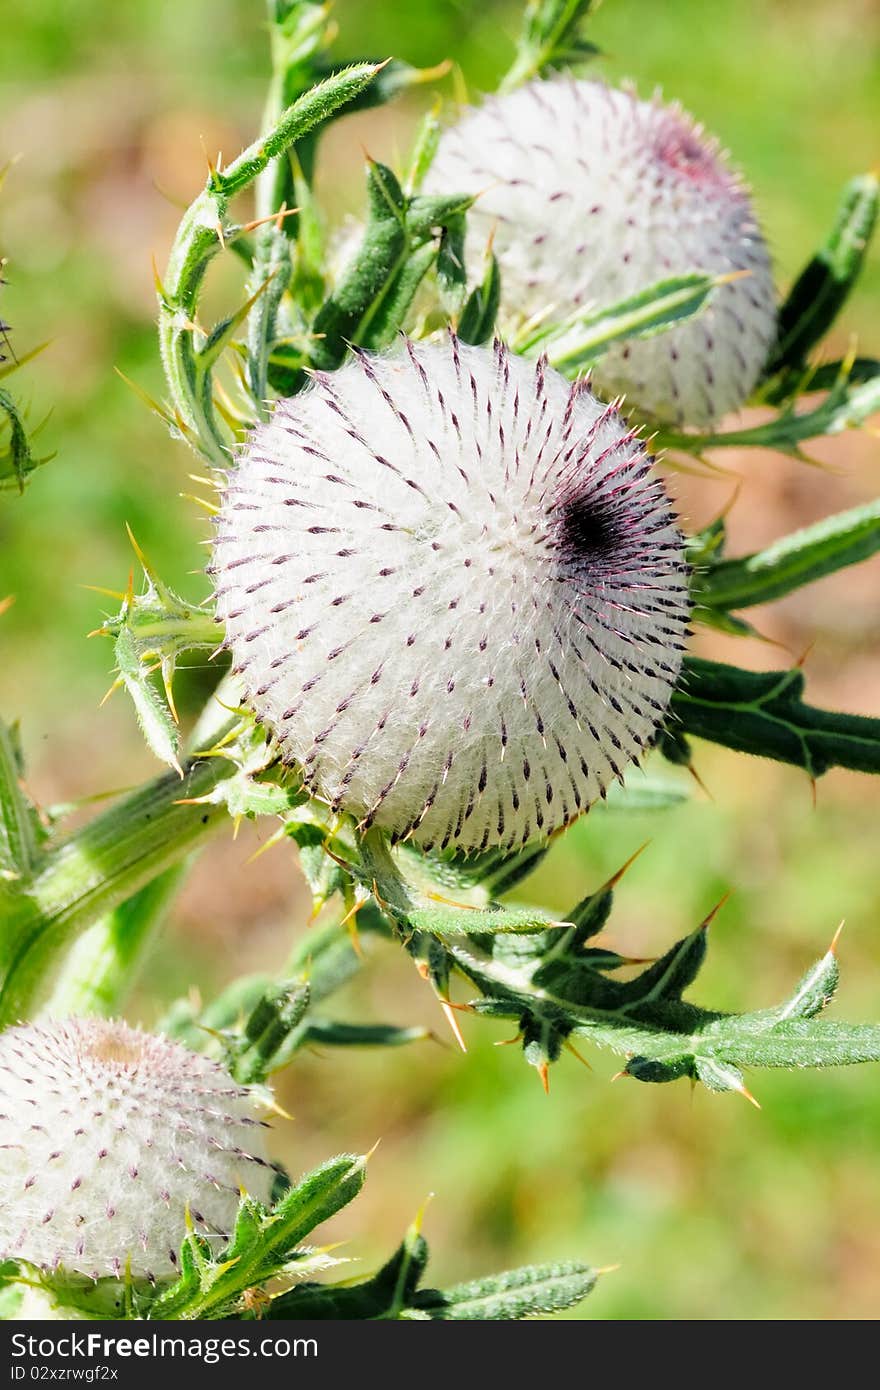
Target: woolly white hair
592, 196
454, 592
107, 1136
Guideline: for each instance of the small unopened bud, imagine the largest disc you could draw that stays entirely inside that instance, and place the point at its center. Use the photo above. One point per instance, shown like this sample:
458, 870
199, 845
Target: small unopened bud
108, 1137
592, 196
455, 592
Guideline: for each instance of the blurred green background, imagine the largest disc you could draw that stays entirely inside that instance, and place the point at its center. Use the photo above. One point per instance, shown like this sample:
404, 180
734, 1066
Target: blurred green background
712, 1209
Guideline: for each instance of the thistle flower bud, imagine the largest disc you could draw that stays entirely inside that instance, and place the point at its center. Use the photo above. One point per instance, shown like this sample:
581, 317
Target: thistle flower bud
593, 196
108, 1135
454, 591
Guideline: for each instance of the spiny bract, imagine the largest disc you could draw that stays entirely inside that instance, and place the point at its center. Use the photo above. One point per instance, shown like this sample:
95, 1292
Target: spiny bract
592, 196
107, 1136
454, 591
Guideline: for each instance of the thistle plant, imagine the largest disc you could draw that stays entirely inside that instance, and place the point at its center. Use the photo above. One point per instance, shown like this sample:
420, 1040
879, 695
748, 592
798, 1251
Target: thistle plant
453, 592
451, 609
588, 196
17, 459
132, 1133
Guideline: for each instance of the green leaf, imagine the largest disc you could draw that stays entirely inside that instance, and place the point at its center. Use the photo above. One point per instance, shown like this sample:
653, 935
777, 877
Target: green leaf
645, 1020
263, 1245
762, 713
450, 921
17, 461
849, 403
451, 271
263, 1044
21, 832
520, 1293
552, 36
643, 793
578, 342
390, 316
201, 236
366, 279
424, 148
477, 322
154, 716
323, 1032
824, 284
797, 559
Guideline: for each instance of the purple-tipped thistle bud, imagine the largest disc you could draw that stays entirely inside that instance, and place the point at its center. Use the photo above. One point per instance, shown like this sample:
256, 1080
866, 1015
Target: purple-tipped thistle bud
594, 196
455, 592
108, 1136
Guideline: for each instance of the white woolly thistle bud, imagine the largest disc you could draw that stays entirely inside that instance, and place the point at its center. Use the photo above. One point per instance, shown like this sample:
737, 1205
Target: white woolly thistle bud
592, 196
108, 1135
454, 591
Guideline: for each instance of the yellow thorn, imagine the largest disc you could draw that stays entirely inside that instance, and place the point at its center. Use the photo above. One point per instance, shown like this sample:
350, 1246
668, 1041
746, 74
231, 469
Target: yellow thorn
607, 1269
615, 878
569, 1047
832, 949
450, 902
138, 552
143, 395
215, 483
210, 507
350, 921
731, 276
748, 1096
508, 1042
167, 678
716, 909
6, 603
274, 1108
699, 781
369, 1154
115, 686
111, 593
272, 841
160, 288
420, 1214
544, 1072
449, 1015
276, 217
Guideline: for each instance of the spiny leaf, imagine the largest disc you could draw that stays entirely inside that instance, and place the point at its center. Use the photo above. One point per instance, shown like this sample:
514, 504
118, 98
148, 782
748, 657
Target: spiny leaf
17, 460
849, 403
477, 322
263, 1244
824, 284
520, 1293
367, 277
452, 921
21, 830
552, 36
763, 713
320, 1032
797, 559
575, 344
153, 714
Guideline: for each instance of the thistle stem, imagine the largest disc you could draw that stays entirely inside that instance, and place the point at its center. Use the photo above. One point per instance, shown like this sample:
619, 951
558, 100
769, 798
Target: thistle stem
100, 970
94, 872
17, 841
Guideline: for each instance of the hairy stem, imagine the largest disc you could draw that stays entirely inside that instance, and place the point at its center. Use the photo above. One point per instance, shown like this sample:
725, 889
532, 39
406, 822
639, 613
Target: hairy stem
100, 970
96, 870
